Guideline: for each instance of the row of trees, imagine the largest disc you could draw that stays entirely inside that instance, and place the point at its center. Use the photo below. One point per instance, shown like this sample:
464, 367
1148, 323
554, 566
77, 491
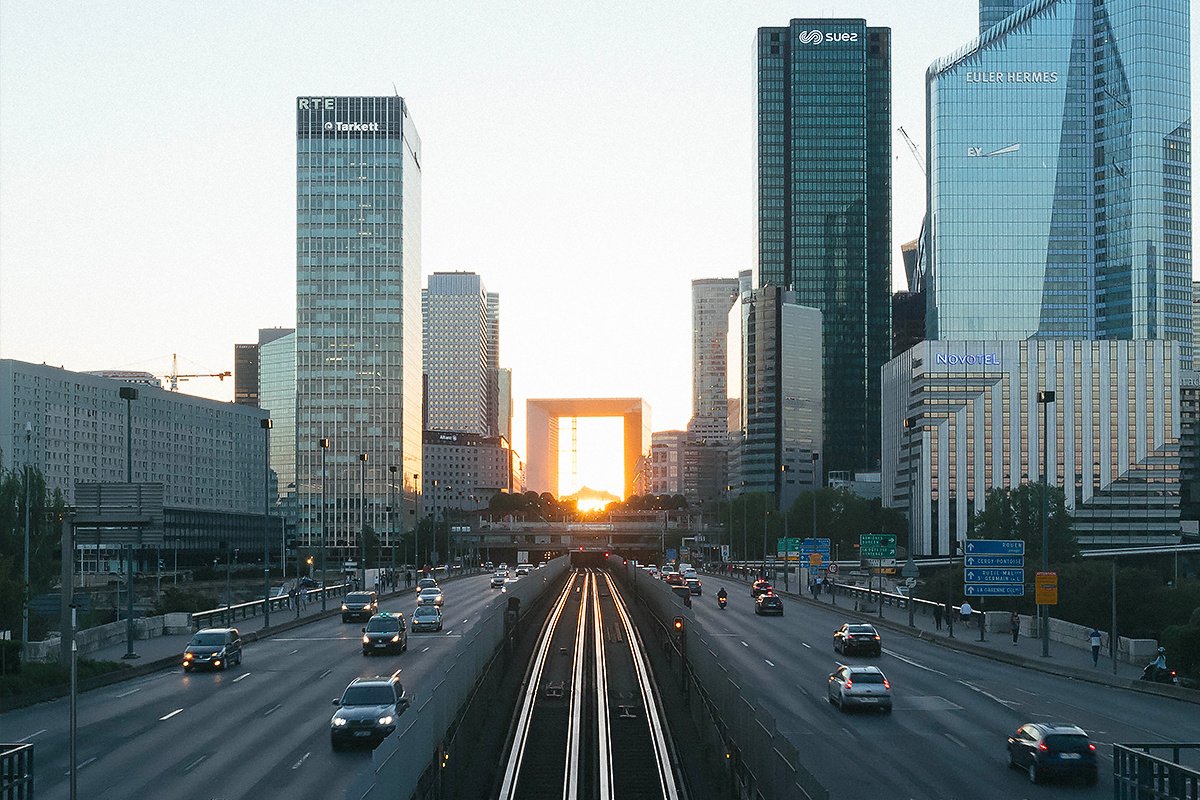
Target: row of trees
45, 509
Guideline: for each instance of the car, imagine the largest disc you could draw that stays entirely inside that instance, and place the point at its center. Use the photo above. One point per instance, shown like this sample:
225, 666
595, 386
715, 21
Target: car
857, 637
213, 648
427, 583
522, 570
682, 590
489, 566
760, 586
541, 564
503, 566
675, 579
1046, 750
766, 604
309, 583
431, 597
367, 711
360, 606
498, 580
690, 573
427, 618
694, 584
865, 687
385, 633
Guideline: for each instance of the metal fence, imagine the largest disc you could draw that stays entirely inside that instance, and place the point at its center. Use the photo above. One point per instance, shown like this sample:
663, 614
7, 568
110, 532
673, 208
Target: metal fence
769, 764
225, 617
1139, 774
16, 771
398, 763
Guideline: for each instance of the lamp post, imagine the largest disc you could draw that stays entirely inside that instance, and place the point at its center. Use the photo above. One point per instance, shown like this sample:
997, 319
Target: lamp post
128, 394
266, 424
362, 515
1044, 399
433, 524
25, 558
416, 520
324, 444
392, 469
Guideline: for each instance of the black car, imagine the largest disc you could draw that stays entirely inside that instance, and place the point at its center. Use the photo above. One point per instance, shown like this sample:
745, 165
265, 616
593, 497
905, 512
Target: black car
385, 633
857, 638
213, 648
359, 605
1046, 750
768, 604
367, 711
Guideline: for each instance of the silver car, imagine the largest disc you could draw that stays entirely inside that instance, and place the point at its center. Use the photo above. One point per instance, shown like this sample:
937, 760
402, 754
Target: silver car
430, 597
865, 687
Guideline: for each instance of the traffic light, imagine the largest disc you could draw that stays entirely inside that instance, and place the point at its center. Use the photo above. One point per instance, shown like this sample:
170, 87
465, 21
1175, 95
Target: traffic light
678, 624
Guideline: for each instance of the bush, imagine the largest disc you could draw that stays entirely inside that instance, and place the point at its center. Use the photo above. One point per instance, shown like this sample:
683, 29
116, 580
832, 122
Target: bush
175, 600
10, 656
33, 677
1183, 647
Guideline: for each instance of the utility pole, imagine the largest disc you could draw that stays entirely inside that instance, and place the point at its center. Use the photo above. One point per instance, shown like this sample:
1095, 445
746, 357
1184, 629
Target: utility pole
25, 570
266, 424
362, 514
1044, 399
128, 394
324, 444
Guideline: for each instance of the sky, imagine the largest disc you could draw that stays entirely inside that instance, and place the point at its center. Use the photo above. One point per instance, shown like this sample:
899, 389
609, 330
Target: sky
587, 159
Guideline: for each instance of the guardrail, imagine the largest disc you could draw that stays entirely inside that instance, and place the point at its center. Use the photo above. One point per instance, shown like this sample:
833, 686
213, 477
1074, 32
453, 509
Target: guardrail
226, 616
16, 771
1138, 774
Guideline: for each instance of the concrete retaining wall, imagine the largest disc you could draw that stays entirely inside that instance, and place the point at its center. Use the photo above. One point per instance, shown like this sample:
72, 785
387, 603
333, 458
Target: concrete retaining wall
93, 639
1132, 651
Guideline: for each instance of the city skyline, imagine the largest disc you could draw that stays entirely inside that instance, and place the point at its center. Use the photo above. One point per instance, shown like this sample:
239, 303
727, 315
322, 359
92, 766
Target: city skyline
174, 204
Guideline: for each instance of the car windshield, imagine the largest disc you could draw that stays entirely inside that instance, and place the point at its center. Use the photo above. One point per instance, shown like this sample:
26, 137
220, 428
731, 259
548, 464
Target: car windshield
359, 597
208, 640
867, 677
431, 592
860, 629
368, 696
383, 624
1067, 741
426, 611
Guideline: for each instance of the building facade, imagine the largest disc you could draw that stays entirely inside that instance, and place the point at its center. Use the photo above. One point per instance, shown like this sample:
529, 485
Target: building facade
666, 461
277, 395
463, 471
1112, 434
824, 206
459, 374
358, 312
246, 365
1059, 192
711, 300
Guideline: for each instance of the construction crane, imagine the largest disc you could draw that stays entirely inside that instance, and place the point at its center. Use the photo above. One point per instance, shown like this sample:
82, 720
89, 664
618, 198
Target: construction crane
175, 377
913, 147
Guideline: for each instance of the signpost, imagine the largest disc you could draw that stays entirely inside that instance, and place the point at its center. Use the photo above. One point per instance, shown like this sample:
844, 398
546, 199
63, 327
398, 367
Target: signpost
994, 568
879, 550
1046, 589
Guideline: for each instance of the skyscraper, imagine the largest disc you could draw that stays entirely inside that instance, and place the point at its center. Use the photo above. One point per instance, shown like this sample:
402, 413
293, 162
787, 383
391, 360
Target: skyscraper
358, 312
277, 394
711, 300
824, 207
459, 373
1059, 183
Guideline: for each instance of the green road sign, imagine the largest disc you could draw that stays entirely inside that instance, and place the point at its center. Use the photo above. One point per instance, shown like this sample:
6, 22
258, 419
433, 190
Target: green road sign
877, 545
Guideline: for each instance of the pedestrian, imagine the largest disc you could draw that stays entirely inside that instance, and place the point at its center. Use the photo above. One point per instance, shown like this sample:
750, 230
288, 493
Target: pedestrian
1095, 638
965, 611
937, 616
1014, 622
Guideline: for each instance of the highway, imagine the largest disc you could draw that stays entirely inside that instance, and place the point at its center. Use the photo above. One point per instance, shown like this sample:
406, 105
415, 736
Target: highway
260, 730
953, 710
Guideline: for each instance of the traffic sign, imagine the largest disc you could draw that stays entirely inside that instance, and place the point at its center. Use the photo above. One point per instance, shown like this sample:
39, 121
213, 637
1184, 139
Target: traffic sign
819, 545
994, 590
814, 560
996, 547
993, 561
877, 545
1046, 589
833, 568
984, 575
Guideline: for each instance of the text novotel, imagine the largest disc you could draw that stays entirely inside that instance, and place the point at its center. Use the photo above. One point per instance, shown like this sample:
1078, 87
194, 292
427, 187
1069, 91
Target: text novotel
969, 360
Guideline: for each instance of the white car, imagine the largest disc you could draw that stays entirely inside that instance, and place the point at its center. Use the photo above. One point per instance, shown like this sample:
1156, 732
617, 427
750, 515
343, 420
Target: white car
431, 597
690, 573
524, 569
499, 579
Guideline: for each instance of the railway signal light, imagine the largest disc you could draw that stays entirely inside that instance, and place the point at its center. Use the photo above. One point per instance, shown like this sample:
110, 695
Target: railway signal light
678, 624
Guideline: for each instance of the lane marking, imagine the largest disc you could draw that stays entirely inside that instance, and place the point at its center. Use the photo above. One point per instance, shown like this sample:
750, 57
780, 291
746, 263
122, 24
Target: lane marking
126, 694
315, 639
426, 650
744, 644
194, 764
906, 660
990, 696
324, 674
242, 676
806, 644
769, 664
272, 709
956, 741
168, 716
297, 650
450, 631
303, 758
81, 766
30, 736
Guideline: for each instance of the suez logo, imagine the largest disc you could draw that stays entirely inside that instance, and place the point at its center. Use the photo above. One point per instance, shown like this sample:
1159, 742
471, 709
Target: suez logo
815, 36
970, 359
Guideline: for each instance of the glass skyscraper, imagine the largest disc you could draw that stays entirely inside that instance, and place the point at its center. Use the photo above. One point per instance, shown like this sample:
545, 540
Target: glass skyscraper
824, 207
459, 374
1059, 176
358, 314
277, 394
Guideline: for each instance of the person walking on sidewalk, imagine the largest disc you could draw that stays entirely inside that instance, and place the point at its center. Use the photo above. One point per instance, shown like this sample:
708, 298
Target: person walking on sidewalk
937, 616
1014, 622
965, 612
1095, 637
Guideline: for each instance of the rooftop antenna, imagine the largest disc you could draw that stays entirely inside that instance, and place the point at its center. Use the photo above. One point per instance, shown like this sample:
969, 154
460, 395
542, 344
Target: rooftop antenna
394, 89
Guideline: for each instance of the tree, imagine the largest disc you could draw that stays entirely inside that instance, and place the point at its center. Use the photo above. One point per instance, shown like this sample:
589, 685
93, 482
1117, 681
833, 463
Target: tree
1017, 514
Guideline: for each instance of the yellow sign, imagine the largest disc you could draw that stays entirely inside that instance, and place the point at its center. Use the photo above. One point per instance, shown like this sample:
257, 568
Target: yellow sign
814, 559
1046, 589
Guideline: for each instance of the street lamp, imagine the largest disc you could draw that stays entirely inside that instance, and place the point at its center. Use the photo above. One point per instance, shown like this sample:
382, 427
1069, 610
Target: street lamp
25, 569
266, 425
324, 444
416, 520
392, 468
362, 514
1044, 399
128, 394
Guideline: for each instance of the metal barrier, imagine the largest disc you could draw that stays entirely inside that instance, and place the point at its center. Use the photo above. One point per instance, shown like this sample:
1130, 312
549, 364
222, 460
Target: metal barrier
1138, 774
16, 771
226, 616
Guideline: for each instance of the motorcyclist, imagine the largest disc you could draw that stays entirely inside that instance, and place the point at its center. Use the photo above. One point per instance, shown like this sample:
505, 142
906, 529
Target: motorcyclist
1160, 663
722, 594
1157, 668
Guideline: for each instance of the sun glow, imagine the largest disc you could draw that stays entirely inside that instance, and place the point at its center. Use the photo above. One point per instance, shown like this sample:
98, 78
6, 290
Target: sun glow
588, 504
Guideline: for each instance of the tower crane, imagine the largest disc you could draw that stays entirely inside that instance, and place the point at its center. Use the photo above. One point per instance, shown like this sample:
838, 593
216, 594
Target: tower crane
913, 147
175, 377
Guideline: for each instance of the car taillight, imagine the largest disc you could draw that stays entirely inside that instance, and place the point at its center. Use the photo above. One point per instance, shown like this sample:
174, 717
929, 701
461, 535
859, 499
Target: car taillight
877, 637
849, 682
886, 685
1092, 747
1043, 747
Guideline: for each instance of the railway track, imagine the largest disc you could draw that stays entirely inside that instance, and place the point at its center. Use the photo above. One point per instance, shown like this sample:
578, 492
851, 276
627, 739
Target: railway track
588, 723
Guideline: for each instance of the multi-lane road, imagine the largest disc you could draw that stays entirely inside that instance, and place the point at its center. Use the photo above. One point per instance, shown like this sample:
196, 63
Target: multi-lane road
259, 730
952, 710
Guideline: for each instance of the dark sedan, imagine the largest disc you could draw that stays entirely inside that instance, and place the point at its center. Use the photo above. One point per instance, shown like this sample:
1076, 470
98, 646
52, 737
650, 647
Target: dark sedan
359, 605
760, 587
857, 638
768, 604
1046, 750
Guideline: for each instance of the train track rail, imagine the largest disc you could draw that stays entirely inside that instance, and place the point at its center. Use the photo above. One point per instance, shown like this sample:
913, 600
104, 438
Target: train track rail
588, 722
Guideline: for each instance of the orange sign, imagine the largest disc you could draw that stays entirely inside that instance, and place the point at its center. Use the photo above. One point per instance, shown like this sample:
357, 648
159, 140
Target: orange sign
814, 559
1046, 589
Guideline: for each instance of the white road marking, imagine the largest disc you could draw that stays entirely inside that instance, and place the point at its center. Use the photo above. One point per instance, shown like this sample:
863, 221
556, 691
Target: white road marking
315, 639
272, 709
956, 741
450, 631
243, 675
194, 764
990, 696
30, 736
744, 644
806, 644
173, 713
303, 758
81, 766
323, 674
894, 654
769, 664
426, 650
297, 650
126, 694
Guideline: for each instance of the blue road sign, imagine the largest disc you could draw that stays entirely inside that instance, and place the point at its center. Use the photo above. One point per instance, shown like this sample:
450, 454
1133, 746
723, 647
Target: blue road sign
978, 575
672, 554
994, 590
995, 547
816, 544
994, 561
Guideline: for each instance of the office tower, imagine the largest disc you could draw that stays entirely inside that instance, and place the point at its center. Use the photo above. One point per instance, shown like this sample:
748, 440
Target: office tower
504, 403
711, 300
458, 357
358, 314
992, 11
277, 395
493, 364
246, 366
1059, 177
824, 207
666, 462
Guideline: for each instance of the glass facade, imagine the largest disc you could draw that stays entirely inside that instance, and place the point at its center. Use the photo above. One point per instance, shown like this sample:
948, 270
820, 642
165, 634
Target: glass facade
459, 375
824, 198
711, 300
358, 313
277, 394
1059, 180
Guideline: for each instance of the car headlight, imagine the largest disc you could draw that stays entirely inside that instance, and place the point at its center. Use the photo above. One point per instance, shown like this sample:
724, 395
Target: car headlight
338, 722
188, 656
386, 720
344, 608
366, 639
396, 638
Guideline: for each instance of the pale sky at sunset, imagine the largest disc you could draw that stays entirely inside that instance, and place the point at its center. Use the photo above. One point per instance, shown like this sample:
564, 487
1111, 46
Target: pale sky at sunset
588, 159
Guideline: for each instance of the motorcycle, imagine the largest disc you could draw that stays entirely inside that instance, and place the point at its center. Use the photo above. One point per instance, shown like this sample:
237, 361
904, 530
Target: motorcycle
722, 602
1158, 675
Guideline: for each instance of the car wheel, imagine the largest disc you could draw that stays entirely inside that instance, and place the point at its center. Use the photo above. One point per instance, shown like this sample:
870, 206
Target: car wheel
239, 658
878, 652
404, 647
1012, 760
1034, 775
